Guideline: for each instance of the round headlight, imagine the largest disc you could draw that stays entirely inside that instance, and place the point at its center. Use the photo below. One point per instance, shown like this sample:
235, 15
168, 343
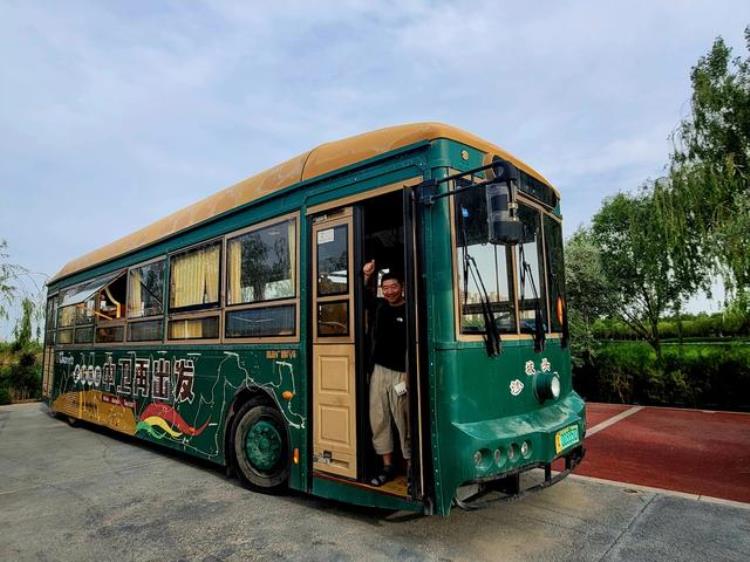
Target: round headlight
554, 387
547, 386
525, 449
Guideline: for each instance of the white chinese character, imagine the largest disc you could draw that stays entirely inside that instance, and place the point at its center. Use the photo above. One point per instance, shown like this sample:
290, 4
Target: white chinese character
546, 366
530, 368
516, 387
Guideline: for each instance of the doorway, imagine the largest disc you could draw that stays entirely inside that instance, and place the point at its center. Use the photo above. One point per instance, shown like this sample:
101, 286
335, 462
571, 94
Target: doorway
343, 240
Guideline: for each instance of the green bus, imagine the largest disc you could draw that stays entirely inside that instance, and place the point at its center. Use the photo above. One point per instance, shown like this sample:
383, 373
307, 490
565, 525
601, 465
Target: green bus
236, 330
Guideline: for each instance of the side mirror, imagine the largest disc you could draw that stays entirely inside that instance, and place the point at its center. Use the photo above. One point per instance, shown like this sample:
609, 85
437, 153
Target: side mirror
502, 217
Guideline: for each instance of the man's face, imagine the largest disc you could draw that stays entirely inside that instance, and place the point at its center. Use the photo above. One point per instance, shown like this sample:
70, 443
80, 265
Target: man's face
391, 291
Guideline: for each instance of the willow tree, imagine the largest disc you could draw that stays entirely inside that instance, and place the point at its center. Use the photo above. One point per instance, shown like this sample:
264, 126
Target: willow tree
588, 295
706, 200
641, 281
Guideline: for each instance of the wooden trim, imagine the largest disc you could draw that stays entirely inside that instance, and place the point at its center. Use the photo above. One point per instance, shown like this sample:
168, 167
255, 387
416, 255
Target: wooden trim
346, 219
351, 199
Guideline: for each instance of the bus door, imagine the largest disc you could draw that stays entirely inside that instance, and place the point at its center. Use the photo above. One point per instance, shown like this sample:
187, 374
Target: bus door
333, 344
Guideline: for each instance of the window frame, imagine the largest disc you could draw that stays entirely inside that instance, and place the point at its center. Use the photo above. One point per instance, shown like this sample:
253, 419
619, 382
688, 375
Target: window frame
455, 262
220, 308
230, 308
169, 310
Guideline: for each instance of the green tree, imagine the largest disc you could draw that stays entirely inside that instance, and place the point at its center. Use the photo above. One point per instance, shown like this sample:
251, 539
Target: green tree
8, 274
23, 330
588, 294
641, 282
708, 196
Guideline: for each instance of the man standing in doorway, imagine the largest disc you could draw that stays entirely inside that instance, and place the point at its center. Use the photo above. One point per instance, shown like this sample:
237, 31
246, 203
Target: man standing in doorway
388, 386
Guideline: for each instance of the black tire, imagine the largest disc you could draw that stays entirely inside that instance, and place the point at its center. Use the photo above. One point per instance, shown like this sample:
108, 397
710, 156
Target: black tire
260, 448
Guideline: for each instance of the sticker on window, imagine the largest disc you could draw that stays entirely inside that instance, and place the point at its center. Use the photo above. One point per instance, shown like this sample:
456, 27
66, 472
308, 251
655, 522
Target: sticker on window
325, 236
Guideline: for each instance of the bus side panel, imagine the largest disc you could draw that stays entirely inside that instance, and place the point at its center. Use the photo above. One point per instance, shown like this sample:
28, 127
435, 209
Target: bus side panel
179, 398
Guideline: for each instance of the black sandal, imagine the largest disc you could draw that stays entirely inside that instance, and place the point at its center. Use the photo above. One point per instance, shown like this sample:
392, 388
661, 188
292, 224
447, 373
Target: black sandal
385, 476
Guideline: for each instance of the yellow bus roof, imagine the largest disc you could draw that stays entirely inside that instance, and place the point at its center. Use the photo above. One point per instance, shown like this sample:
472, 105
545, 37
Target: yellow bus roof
323, 159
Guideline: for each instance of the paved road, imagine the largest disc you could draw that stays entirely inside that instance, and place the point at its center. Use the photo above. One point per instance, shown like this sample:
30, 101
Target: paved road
698, 452
84, 494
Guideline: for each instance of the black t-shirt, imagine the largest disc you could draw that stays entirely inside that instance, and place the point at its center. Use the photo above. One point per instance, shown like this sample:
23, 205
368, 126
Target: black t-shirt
389, 349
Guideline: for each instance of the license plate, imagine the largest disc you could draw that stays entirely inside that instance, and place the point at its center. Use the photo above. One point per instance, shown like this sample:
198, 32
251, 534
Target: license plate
565, 438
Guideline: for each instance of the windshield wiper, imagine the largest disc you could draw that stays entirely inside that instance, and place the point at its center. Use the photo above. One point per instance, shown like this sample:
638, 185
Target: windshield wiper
491, 333
539, 337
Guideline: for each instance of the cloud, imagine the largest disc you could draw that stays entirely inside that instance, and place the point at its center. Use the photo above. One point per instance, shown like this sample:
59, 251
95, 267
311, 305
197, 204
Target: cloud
116, 114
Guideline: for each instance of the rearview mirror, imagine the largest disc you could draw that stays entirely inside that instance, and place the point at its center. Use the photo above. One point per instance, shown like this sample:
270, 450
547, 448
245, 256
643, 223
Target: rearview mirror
502, 218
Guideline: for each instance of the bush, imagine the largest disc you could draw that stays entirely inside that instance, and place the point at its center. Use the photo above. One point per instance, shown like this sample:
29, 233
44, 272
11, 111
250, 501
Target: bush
693, 375
4, 396
726, 324
21, 376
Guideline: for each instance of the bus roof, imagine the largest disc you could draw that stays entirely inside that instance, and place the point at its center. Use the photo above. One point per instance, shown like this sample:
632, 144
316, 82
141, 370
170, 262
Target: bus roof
321, 160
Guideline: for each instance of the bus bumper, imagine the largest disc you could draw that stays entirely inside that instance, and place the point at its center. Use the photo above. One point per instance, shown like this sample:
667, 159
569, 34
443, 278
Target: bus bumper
493, 453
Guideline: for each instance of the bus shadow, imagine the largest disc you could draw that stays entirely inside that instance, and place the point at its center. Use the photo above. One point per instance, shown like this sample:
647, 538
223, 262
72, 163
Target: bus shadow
375, 516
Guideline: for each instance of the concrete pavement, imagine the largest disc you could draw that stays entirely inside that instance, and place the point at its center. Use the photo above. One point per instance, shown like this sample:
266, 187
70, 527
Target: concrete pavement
86, 494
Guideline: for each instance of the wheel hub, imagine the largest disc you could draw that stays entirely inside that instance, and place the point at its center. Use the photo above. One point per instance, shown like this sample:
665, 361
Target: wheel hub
263, 445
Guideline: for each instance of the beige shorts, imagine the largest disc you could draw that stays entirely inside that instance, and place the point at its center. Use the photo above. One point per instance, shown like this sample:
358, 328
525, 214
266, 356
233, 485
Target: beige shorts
386, 404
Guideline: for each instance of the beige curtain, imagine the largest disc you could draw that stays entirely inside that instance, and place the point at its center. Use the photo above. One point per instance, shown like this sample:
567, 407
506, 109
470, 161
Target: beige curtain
135, 295
186, 329
195, 278
235, 271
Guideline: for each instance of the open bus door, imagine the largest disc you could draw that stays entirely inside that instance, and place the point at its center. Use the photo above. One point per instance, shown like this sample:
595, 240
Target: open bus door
333, 345
342, 240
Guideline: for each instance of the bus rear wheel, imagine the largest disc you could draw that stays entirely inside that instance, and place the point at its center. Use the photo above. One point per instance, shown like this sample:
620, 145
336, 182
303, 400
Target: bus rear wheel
261, 448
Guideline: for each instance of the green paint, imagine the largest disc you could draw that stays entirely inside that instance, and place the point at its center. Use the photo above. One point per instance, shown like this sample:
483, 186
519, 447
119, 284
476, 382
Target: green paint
468, 402
263, 446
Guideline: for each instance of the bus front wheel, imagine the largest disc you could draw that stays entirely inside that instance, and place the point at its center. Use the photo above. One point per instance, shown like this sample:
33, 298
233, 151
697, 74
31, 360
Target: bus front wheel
261, 448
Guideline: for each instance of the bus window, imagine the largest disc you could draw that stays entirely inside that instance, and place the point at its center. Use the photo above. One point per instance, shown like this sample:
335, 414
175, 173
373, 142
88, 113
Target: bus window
531, 286
110, 302
262, 322
194, 278
261, 268
493, 262
110, 334
260, 264
333, 260
194, 328
146, 290
556, 272
148, 330
51, 320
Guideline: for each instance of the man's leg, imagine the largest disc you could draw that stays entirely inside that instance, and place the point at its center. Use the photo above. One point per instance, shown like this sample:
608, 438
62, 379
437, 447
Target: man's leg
380, 422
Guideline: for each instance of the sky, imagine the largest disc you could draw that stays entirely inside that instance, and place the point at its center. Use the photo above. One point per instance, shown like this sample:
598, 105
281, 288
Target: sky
115, 114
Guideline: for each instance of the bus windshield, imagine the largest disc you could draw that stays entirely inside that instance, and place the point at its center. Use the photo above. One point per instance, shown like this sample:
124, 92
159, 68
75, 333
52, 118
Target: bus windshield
517, 277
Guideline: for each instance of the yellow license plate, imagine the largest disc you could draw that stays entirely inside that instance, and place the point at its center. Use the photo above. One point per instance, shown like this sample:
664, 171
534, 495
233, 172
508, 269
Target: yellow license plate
565, 438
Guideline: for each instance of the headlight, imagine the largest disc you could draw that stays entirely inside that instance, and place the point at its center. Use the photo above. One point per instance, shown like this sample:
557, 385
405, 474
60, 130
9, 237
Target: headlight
546, 386
554, 387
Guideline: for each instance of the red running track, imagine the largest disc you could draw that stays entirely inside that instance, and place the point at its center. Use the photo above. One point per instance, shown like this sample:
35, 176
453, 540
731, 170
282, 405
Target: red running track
693, 451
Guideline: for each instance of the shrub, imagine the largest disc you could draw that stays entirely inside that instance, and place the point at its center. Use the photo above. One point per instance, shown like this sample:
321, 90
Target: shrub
694, 375
4, 396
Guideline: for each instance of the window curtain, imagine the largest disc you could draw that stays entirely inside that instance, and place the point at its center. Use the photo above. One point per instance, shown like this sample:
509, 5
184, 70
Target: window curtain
235, 271
195, 278
186, 329
135, 295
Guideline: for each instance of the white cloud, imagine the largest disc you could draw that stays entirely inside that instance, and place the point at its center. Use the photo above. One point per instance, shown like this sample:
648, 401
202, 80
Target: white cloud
136, 109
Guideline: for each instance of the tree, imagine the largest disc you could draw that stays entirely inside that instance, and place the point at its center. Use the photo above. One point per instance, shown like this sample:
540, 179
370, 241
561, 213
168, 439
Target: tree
641, 282
8, 274
708, 196
23, 328
587, 290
